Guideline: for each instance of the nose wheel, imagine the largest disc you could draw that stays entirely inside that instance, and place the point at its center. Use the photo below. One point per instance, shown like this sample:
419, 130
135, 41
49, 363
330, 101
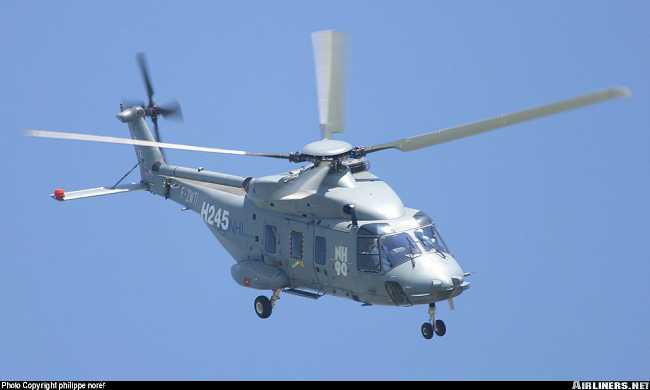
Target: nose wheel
441, 328
427, 330
433, 326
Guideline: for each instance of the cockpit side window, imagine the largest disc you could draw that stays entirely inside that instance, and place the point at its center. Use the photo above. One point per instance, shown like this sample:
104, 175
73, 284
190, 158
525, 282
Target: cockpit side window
397, 249
368, 254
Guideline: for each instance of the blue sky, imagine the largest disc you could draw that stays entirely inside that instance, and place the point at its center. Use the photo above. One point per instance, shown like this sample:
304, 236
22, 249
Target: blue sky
551, 215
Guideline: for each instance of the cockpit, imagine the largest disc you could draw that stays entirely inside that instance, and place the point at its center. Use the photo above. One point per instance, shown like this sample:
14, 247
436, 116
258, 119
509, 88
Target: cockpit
380, 248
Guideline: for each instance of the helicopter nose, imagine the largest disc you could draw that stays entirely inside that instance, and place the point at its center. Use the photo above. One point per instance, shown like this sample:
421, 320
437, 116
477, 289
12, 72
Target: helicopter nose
440, 283
451, 286
432, 277
446, 273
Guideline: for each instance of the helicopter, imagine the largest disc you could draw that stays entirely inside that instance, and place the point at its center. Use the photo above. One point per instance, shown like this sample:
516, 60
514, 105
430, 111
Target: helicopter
329, 227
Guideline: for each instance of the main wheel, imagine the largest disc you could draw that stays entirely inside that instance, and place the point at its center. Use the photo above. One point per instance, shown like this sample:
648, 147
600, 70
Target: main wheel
263, 307
441, 328
427, 330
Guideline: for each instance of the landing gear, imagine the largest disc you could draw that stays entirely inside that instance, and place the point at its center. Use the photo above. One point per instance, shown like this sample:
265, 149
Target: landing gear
427, 330
441, 328
433, 326
264, 306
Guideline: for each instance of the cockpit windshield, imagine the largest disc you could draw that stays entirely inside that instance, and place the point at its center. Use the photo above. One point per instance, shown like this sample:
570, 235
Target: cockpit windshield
380, 250
431, 240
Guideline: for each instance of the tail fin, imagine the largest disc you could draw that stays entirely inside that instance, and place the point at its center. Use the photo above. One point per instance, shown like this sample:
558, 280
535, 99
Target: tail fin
147, 155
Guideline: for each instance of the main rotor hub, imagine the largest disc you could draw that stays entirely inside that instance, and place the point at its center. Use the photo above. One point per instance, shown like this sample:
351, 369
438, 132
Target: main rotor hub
327, 148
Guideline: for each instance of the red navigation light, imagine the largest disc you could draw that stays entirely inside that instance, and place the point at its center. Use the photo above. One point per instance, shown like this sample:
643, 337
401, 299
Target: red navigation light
59, 194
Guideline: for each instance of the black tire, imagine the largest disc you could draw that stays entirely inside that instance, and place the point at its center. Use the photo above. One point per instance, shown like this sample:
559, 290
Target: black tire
427, 330
263, 307
441, 328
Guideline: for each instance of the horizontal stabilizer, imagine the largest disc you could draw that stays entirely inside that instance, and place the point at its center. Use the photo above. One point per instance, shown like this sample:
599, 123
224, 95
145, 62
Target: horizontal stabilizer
61, 195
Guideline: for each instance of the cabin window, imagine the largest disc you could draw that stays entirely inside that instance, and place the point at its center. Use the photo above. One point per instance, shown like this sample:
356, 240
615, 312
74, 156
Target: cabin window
320, 250
270, 238
296, 245
368, 254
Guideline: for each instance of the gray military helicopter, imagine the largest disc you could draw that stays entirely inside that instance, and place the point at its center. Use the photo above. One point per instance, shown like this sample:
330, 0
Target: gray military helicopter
330, 227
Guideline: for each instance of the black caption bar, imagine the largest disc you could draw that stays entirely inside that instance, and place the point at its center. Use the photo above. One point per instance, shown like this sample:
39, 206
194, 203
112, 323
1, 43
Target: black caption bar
52, 385
109, 385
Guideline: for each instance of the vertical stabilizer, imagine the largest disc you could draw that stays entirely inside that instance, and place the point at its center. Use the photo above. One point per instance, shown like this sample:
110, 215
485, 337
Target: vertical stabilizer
147, 155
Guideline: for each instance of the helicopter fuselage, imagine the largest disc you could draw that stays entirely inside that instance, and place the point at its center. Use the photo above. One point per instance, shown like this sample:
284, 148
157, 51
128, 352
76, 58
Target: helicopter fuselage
283, 240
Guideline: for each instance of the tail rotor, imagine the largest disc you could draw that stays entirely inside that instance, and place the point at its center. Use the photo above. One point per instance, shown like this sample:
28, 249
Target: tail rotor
153, 110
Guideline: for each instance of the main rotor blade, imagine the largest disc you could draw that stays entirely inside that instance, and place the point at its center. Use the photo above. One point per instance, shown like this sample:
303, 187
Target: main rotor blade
329, 52
470, 129
144, 71
137, 142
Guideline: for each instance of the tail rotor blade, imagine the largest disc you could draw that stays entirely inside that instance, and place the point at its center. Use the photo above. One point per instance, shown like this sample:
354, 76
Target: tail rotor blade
172, 111
329, 51
156, 130
144, 71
